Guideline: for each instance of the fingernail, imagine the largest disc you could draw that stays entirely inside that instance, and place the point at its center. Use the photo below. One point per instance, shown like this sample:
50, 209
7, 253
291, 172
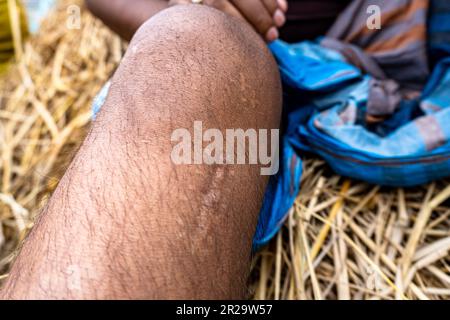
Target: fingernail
279, 18
272, 34
283, 5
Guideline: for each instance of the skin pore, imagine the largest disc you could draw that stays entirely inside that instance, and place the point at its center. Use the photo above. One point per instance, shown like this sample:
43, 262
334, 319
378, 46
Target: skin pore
125, 222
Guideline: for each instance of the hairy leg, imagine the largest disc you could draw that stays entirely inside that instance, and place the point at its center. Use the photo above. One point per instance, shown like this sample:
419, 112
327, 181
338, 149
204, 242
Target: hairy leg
125, 222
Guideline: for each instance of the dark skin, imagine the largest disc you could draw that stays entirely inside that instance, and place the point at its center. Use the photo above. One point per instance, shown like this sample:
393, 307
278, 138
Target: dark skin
126, 16
125, 222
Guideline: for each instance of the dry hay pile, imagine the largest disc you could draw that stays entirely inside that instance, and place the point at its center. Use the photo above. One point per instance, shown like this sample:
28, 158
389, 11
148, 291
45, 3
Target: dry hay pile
351, 240
44, 112
342, 240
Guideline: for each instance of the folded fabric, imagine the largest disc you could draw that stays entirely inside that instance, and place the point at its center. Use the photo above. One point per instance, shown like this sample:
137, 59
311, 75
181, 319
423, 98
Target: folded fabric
397, 45
366, 101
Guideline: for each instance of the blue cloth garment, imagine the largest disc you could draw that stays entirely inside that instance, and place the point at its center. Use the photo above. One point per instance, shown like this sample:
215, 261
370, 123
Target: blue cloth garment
327, 115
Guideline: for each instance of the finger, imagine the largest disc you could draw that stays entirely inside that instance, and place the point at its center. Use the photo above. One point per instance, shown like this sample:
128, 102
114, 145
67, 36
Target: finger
225, 6
272, 34
276, 12
256, 14
271, 5
283, 5
279, 18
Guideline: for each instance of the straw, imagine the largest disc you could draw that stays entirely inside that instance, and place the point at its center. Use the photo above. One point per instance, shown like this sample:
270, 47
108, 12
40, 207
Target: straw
342, 239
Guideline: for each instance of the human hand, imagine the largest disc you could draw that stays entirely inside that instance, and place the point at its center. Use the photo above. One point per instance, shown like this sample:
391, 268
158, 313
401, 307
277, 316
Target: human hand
266, 16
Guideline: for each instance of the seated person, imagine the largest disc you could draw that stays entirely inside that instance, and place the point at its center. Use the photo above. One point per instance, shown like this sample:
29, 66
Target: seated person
125, 222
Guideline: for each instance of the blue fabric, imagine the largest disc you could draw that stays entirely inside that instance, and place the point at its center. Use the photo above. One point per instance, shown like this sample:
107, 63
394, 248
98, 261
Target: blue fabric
100, 99
36, 11
326, 116
279, 196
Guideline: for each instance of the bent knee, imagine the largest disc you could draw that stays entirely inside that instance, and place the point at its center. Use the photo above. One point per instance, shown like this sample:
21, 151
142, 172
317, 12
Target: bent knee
202, 58
191, 28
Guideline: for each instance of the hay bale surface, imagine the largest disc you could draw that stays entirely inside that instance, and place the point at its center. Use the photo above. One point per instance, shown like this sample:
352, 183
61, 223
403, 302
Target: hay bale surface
342, 240
45, 112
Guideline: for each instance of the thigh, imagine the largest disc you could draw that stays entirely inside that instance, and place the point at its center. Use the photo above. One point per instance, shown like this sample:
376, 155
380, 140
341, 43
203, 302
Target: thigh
131, 221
